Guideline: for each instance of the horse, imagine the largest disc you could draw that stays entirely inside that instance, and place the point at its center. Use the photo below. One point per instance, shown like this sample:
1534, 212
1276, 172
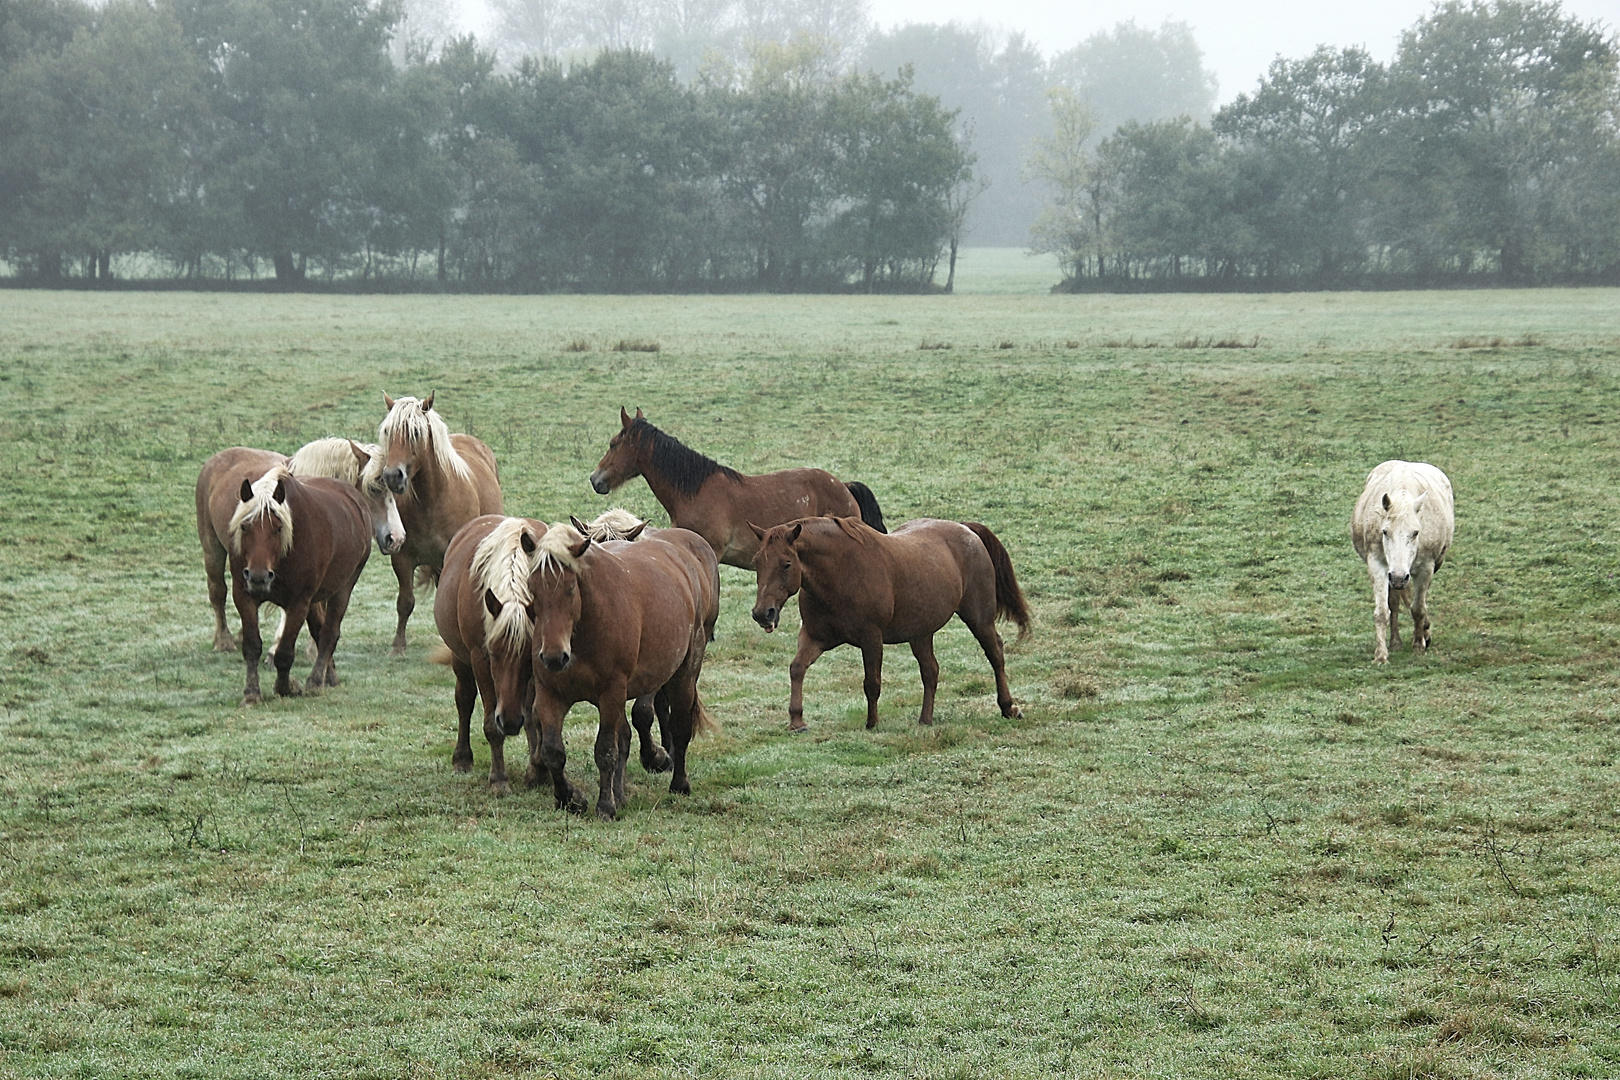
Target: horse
616, 621
293, 542
857, 586
341, 459
718, 502
481, 610
442, 480
621, 524
1402, 528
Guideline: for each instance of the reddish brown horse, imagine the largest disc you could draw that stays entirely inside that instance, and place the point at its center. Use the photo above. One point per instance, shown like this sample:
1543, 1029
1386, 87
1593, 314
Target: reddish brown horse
614, 622
442, 480
217, 487
859, 587
293, 542
482, 614
716, 502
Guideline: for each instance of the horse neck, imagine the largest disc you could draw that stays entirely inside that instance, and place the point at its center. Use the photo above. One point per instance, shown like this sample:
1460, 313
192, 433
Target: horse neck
670, 497
431, 477
825, 561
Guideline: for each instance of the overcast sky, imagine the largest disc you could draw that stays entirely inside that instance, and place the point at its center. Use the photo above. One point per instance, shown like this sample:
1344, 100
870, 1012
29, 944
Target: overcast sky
1239, 37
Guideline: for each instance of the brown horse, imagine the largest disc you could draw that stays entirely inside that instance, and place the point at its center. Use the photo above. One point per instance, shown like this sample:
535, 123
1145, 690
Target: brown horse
613, 622
859, 587
482, 613
342, 459
718, 503
293, 542
443, 481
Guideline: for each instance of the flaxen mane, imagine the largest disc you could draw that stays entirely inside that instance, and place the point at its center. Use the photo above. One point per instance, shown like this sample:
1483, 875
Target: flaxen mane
556, 552
409, 421
614, 524
333, 457
501, 565
675, 461
263, 504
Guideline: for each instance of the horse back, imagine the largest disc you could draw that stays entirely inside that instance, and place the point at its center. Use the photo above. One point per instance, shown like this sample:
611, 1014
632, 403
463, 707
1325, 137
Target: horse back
703, 568
486, 475
337, 547
1417, 477
455, 610
646, 603
725, 507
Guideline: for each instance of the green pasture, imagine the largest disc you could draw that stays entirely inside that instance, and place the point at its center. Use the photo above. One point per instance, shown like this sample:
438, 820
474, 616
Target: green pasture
1219, 843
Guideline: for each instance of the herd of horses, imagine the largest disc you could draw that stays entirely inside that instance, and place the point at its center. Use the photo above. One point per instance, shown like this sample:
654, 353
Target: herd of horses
535, 618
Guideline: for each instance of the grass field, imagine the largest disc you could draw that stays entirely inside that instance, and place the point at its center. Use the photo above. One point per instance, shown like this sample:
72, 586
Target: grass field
1220, 842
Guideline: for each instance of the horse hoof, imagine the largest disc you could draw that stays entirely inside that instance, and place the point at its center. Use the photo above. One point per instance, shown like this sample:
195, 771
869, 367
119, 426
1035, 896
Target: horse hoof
1013, 712
252, 698
680, 786
656, 763
461, 765
500, 788
871, 723
574, 805
797, 726
331, 678
398, 649
605, 812
292, 689
225, 644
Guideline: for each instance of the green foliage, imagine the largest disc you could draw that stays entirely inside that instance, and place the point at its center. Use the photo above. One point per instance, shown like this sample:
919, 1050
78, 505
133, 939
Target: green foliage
1219, 843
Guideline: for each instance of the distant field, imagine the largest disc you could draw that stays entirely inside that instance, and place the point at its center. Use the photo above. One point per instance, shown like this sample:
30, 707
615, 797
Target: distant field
1219, 843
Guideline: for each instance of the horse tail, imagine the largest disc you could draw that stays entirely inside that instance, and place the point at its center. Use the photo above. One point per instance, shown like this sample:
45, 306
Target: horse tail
426, 578
871, 513
1010, 602
701, 720
441, 654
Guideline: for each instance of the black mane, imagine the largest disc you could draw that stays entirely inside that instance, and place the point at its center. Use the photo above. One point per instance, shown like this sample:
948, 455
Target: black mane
675, 461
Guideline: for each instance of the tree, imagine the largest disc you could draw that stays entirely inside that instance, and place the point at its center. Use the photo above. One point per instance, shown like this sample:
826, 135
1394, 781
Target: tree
1133, 73
1070, 225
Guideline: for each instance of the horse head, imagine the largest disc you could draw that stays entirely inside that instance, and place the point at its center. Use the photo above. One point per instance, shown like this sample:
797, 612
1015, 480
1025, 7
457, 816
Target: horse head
501, 569
386, 527
556, 601
614, 524
510, 663
405, 434
623, 460
1398, 532
261, 530
780, 573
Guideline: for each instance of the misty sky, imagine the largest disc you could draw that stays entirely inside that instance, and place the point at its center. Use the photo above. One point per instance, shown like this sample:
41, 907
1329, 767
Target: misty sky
1239, 37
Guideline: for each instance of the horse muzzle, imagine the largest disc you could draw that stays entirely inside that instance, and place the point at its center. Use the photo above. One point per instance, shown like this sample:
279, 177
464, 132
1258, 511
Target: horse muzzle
768, 618
397, 479
258, 585
389, 545
556, 661
507, 726
599, 484
1399, 581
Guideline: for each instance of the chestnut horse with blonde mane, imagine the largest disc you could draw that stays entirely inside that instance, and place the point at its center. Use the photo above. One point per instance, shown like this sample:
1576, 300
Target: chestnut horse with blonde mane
859, 587
482, 614
616, 621
293, 542
341, 459
442, 480
717, 502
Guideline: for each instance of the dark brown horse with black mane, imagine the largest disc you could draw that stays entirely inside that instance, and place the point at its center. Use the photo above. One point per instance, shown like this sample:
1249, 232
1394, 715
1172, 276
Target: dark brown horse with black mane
859, 587
613, 622
294, 542
718, 502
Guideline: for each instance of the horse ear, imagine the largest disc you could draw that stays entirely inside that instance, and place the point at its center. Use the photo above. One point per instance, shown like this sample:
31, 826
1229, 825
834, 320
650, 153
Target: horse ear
360, 455
759, 533
1386, 500
527, 543
579, 526
388, 401
624, 417
247, 491
280, 494
492, 603
635, 532
579, 549
638, 414
798, 528
1417, 504
427, 402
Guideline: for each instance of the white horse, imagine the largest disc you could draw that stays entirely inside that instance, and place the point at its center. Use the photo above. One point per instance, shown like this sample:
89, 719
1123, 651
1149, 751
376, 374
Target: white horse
1402, 529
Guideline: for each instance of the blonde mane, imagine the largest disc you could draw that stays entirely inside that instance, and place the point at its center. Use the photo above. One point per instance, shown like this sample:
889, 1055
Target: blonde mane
409, 421
333, 457
556, 549
500, 565
614, 524
263, 504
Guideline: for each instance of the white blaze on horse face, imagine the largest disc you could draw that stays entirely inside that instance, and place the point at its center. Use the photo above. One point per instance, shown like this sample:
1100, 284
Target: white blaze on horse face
390, 531
1399, 534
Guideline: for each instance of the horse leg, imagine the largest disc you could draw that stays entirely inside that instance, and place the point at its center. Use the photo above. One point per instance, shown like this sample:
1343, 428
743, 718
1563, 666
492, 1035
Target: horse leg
547, 754
928, 666
654, 758
807, 654
252, 646
214, 561
406, 602
461, 759
619, 797
315, 620
1421, 637
1381, 620
872, 660
286, 685
679, 700
611, 719
323, 620
984, 631
1397, 597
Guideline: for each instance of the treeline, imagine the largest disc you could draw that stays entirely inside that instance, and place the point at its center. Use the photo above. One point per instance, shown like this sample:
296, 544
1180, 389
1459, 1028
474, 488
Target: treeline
246, 139
1489, 149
